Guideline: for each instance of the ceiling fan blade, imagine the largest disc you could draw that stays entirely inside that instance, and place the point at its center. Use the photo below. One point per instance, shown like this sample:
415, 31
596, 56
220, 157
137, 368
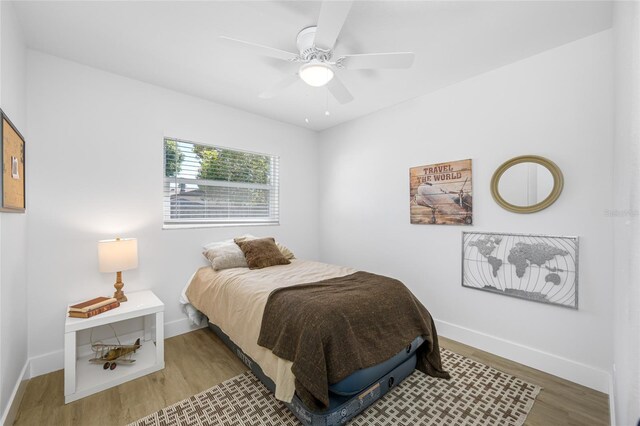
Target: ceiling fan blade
277, 88
263, 50
377, 60
330, 22
339, 90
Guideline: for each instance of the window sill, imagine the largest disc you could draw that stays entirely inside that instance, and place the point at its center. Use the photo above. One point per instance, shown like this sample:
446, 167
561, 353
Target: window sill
215, 225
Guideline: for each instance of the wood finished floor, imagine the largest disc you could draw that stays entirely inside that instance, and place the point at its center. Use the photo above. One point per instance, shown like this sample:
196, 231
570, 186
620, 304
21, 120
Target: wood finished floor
198, 360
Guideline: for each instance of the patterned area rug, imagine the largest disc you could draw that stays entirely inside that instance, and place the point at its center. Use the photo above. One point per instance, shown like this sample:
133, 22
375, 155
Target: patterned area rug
476, 395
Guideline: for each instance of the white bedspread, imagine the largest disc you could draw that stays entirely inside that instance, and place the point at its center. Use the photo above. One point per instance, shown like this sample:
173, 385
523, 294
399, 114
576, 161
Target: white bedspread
234, 300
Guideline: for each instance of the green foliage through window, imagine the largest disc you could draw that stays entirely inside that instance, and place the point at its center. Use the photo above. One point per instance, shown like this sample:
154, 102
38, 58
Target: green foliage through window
232, 166
172, 158
210, 184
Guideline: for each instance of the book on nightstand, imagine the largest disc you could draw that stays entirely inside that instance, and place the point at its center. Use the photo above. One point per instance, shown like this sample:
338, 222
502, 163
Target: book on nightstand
92, 304
95, 311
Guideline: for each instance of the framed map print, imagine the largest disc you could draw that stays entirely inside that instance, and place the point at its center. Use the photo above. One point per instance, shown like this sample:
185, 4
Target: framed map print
540, 268
13, 168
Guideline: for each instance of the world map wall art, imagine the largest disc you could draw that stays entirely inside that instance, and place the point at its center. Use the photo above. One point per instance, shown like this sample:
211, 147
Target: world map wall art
541, 268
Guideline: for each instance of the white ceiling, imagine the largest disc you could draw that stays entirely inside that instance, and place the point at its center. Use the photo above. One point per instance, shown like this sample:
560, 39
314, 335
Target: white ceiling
175, 44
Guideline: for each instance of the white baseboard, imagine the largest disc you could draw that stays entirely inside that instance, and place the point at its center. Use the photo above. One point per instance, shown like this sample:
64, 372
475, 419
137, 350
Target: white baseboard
565, 368
181, 326
11, 412
46, 363
53, 361
612, 401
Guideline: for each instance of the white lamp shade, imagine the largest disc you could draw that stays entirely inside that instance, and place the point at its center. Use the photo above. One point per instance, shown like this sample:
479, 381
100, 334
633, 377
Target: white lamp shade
316, 73
118, 255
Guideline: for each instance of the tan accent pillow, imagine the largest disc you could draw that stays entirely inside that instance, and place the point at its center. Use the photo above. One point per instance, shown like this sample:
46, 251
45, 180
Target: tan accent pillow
246, 237
225, 256
288, 254
262, 253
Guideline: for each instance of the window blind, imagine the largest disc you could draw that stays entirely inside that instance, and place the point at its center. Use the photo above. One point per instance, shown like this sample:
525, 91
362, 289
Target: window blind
213, 185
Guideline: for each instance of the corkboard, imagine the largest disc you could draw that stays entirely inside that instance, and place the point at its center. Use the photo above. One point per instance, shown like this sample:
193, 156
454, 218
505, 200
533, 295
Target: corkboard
13, 179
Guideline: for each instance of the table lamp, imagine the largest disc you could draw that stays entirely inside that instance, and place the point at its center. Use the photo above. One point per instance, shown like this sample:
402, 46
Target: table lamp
118, 255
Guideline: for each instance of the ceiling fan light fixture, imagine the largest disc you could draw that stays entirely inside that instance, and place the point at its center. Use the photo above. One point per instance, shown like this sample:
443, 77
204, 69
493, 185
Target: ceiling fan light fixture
316, 73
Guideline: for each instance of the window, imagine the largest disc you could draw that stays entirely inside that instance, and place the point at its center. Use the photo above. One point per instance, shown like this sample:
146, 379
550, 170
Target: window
211, 185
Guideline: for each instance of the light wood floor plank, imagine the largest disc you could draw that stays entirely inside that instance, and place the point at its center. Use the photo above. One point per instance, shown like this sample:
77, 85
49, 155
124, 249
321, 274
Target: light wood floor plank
199, 360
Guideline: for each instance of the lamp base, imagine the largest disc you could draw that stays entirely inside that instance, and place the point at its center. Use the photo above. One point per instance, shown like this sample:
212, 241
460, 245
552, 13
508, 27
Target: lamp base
119, 294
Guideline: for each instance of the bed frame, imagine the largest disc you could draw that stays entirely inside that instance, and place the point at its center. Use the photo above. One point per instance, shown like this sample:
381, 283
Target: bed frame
341, 408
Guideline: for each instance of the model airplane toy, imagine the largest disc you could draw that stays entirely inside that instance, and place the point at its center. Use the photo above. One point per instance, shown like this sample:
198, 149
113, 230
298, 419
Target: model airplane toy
112, 355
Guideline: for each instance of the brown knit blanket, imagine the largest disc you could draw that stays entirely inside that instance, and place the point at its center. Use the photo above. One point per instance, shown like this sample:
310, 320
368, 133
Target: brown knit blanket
331, 328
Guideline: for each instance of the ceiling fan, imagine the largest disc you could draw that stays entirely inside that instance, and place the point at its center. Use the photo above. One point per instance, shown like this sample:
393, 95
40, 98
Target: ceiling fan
315, 53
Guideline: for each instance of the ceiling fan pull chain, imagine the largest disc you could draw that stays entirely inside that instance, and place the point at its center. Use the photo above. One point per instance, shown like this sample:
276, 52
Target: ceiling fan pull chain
326, 111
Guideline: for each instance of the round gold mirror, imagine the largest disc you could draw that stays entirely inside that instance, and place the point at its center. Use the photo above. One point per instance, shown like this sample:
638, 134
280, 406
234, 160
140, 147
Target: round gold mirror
527, 184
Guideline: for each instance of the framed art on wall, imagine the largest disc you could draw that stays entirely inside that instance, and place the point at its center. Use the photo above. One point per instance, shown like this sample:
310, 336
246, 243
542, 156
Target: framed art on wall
540, 268
441, 194
12, 157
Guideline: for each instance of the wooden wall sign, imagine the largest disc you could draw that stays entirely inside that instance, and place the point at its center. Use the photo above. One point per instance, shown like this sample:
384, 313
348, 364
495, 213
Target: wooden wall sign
13, 167
440, 194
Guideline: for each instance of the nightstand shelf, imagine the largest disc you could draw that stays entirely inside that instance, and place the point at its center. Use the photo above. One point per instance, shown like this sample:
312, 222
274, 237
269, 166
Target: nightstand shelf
82, 378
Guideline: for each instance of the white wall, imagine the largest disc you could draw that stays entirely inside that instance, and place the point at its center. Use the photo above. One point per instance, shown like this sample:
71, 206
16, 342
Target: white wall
13, 270
557, 104
626, 211
96, 160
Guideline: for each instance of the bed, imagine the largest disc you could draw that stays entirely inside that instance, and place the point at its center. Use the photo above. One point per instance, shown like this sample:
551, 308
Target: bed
237, 300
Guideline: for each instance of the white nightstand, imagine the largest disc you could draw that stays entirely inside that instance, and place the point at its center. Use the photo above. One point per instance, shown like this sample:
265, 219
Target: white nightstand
82, 378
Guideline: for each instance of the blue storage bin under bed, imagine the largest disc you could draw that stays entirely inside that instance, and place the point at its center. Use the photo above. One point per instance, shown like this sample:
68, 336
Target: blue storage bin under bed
351, 395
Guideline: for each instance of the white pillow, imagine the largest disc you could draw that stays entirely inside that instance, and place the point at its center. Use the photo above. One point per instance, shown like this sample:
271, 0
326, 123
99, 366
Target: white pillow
215, 244
225, 256
229, 261
221, 243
